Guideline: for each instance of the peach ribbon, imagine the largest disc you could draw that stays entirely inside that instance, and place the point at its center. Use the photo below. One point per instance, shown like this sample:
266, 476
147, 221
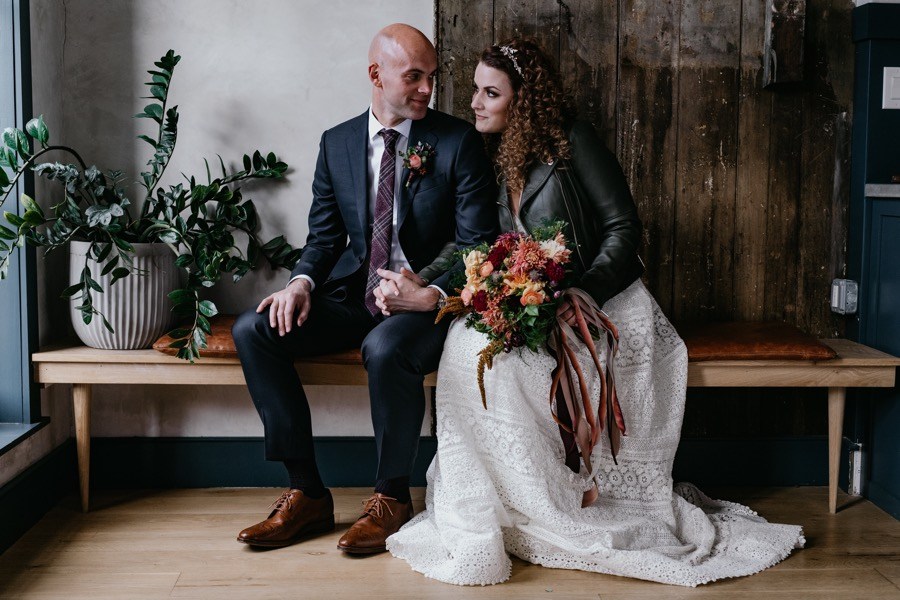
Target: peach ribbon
586, 426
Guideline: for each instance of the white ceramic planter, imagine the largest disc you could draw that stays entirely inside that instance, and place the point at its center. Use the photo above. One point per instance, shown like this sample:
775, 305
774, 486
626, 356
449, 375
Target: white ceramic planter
137, 307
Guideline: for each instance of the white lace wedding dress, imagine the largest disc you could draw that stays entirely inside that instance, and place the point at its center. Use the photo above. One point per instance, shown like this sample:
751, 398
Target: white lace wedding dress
498, 483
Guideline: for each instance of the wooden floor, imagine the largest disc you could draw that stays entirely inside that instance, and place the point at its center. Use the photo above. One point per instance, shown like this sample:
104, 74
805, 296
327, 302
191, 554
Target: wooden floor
181, 544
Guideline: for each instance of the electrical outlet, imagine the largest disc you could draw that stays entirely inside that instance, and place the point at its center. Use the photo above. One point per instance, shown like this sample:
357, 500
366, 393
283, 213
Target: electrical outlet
844, 296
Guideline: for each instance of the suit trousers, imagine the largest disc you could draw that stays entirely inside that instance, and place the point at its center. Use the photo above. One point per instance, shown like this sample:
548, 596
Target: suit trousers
397, 351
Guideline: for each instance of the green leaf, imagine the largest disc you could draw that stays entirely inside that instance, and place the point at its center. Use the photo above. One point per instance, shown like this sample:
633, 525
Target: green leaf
94, 285
22, 143
4, 179
105, 249
184, 260
30, 205
109, 266
14, 218
9, 138
531, 310
182, 296
257, 160
247, 163
151, 111
179, 343
208, 309
271, 159
159, 93
70, 291
38, 130
204, 324
148, 139
272, 244
7, 234
123, 244
119, 273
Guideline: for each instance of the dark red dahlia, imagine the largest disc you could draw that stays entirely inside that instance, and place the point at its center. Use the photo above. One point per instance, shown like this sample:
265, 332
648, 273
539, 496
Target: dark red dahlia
497, 256
555, 272
480, 301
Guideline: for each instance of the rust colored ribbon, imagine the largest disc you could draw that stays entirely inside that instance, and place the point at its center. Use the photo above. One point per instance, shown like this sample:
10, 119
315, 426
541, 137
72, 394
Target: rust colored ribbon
585, 425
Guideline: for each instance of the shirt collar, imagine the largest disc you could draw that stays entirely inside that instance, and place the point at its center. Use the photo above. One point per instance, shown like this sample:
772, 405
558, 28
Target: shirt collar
375, 126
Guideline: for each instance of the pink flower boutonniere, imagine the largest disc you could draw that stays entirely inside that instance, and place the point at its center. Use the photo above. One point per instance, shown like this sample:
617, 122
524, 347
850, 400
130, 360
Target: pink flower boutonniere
416, 159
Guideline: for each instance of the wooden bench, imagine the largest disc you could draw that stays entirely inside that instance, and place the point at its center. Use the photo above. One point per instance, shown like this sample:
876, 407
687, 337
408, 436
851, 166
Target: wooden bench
854, 366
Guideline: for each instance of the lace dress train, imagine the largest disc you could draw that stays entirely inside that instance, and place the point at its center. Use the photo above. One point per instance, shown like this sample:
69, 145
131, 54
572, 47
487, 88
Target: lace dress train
498, 482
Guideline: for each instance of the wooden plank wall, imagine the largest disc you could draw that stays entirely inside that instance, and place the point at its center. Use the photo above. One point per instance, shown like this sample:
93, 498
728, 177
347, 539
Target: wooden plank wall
742, 190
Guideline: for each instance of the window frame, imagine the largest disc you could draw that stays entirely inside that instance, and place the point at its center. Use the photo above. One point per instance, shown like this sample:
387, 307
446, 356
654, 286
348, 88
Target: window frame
20, 413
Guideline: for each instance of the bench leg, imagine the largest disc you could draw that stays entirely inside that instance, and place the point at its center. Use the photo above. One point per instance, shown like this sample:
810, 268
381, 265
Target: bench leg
836, 398
81, 397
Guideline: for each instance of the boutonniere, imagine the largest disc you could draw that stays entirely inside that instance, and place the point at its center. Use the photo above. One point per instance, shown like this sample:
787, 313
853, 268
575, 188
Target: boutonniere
416, 159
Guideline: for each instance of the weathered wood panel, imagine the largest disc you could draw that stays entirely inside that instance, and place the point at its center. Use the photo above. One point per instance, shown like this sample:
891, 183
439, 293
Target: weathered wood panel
707, 151
464, 29
754, 118
647, 133
589, 62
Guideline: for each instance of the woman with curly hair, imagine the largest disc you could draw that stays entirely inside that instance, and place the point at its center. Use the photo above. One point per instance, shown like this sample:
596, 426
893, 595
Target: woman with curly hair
508, 479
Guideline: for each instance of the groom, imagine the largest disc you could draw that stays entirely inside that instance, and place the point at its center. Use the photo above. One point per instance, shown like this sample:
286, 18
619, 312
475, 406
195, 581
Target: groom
373, 224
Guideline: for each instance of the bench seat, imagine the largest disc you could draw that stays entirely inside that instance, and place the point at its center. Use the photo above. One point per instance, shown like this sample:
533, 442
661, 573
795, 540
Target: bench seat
852, 365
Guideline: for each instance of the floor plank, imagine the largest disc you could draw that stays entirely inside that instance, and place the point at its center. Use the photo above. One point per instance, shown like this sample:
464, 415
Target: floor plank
181, 544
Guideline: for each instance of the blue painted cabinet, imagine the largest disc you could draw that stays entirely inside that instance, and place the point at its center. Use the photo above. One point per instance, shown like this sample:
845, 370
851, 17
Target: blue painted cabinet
874, 241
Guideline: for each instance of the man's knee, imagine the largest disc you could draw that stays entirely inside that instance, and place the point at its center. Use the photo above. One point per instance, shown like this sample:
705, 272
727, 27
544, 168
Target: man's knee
249, 326
378, 351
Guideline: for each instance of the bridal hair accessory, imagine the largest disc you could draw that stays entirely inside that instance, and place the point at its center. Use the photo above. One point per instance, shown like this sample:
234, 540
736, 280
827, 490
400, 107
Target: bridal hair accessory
510, 53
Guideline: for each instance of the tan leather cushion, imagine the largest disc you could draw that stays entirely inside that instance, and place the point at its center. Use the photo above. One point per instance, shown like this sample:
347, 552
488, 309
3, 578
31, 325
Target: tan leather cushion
221, 345
705, 341
751, 341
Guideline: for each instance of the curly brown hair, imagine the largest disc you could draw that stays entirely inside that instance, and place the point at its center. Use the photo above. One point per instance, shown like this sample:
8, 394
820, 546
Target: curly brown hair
538, 115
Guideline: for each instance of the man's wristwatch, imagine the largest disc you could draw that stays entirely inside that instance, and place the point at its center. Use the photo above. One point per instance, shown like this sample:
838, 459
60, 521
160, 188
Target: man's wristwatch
441, 302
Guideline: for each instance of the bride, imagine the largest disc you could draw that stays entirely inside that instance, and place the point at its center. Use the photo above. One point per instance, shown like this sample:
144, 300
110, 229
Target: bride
502, 481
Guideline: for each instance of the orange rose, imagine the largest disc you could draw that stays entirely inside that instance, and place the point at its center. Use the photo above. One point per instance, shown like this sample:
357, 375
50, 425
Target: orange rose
532, 297
486, 269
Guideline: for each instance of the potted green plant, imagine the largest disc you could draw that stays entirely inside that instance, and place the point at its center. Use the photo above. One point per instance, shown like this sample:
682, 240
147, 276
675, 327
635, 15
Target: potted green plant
197, 221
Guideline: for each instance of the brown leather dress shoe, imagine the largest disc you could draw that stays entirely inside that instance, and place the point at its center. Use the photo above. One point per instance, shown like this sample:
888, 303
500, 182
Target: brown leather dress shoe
382, 517
293, 517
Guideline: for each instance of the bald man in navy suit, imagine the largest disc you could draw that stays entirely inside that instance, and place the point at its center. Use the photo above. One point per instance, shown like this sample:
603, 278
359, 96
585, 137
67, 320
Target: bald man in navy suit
373, 225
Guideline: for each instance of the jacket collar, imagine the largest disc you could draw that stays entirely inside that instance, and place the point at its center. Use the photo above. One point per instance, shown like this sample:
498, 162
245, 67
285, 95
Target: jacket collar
537, 177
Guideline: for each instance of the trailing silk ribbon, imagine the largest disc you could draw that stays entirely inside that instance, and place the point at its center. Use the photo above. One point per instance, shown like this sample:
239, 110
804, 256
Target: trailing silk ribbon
586, 426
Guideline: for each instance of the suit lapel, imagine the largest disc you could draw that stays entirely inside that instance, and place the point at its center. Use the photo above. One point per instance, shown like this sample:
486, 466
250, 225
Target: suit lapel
420, 131
357, 149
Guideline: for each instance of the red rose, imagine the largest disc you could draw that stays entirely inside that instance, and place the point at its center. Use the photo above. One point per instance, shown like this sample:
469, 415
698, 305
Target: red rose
480, 301
415, 161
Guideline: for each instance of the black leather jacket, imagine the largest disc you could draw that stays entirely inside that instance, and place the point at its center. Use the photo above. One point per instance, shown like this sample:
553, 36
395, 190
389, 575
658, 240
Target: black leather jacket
590, 193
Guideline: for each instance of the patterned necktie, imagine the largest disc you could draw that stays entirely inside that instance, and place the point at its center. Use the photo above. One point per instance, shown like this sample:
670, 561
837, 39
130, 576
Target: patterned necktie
382, 224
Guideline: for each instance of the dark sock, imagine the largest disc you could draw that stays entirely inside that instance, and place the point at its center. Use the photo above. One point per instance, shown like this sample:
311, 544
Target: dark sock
304, 476
398, 488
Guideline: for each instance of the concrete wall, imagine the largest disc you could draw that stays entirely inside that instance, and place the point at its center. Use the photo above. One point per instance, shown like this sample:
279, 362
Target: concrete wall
268, 75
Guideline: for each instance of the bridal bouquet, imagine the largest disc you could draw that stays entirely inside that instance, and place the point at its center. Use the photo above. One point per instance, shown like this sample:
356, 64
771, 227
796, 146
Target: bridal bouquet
511, 293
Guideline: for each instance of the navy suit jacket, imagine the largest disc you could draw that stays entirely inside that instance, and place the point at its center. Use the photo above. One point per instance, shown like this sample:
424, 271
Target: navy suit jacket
454, 199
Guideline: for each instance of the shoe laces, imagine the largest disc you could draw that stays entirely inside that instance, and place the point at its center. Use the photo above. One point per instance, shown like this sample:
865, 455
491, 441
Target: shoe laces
284, 501
376, 506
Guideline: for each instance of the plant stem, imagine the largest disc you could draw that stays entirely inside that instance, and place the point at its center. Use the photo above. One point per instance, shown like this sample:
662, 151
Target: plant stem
31, 160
